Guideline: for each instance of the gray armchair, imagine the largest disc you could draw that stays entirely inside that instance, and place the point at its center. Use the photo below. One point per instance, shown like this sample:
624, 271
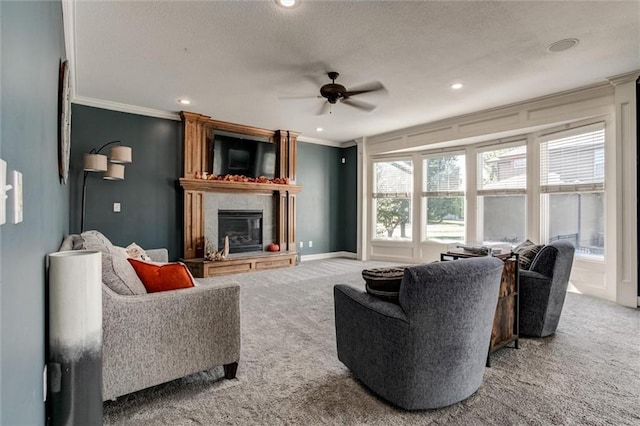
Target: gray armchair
430, 350
543, 288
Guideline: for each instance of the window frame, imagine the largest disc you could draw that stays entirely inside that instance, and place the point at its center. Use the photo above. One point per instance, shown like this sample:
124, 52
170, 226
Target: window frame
517, 141
375, 195
546, 191
424, 194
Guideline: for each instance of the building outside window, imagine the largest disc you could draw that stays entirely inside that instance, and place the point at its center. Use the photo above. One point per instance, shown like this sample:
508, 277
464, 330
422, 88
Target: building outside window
392, 191
443, 197
502, 185
572, 188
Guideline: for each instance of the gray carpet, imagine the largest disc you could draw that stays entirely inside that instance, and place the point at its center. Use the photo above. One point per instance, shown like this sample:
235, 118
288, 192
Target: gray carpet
588, 373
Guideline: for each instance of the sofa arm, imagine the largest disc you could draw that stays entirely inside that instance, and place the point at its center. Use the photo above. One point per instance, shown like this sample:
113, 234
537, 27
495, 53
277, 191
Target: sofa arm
156, 337
158, 255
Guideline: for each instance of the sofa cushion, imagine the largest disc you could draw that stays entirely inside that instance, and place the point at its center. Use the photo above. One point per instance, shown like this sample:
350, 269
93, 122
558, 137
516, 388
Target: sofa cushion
94, 240
384, 282
527, 251
162, 277
117, 273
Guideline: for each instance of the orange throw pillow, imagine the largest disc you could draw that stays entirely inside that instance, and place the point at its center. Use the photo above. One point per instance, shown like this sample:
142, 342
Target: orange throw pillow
162, 277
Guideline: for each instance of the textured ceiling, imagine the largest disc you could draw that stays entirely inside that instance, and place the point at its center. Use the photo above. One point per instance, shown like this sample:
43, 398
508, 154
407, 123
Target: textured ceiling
242, 61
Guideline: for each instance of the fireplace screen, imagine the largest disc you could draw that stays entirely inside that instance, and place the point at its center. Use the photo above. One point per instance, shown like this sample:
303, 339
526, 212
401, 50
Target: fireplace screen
244, 228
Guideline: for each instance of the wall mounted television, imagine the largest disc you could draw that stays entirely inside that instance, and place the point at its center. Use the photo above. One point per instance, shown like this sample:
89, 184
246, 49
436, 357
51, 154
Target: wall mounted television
230, 154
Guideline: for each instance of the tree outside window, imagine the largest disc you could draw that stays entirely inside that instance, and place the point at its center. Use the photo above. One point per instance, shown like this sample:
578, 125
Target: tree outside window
393, 187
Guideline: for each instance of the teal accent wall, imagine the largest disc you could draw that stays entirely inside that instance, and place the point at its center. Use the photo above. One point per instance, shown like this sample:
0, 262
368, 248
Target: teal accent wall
327, 206
151, 200
32, 43
348, 190
149, 196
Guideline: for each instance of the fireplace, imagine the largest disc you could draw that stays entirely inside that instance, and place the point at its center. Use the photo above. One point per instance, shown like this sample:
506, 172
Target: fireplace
243, 227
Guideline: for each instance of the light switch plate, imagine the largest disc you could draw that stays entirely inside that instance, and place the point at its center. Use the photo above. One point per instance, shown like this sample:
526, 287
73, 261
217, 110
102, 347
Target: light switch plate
3, 192
116, 207
17, 197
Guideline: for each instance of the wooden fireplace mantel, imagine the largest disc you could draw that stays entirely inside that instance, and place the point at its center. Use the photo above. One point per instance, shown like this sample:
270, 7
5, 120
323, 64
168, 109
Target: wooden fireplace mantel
241, 187
198, 129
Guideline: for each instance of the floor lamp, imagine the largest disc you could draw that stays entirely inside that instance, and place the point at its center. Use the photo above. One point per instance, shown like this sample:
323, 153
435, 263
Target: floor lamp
113, 166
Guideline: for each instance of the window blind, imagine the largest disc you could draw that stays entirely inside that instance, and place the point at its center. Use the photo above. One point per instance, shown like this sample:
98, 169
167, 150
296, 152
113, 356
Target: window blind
502, 171
573, 161
393, 179
444, 175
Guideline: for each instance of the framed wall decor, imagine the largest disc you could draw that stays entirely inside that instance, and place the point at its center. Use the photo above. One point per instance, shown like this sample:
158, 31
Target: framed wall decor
64, 120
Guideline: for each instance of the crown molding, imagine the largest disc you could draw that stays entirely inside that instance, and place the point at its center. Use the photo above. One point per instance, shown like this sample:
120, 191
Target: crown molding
116, 106
69, 28
325, 142
624, 78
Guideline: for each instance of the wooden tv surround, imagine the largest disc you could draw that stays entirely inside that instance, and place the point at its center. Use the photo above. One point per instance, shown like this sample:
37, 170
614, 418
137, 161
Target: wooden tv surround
197, 128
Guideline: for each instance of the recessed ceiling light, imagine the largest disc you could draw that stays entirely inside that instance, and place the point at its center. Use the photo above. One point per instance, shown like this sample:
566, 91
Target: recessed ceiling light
288, 4
319, 129
184, 101
456, 86
562, 45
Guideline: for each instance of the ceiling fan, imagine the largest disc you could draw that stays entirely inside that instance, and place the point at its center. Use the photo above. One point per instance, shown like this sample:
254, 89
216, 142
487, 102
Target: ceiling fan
334, 92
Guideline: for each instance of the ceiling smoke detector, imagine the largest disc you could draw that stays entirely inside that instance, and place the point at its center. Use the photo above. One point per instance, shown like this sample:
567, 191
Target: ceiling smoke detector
562, 45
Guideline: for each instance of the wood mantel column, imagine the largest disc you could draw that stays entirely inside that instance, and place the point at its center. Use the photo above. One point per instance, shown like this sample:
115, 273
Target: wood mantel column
287, 147
286, 220
194, 133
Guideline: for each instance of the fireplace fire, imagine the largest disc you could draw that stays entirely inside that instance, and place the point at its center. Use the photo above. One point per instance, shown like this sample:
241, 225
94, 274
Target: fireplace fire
244, 228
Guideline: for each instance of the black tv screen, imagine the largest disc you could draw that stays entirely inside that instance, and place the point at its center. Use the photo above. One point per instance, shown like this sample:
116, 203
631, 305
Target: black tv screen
239, 156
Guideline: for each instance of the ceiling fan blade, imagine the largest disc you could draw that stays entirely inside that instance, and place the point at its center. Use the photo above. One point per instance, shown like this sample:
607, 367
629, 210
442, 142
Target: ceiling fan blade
323, 109
289, 97
370, 87
358, 104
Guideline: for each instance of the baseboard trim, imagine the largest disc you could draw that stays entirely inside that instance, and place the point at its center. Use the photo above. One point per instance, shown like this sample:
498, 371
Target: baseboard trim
347, 254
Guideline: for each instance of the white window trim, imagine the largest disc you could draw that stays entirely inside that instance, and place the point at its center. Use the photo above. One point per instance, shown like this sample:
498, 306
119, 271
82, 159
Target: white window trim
373, 239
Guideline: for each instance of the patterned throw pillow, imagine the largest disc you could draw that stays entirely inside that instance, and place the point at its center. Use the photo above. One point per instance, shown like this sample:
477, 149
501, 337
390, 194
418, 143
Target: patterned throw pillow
134, 251
384, 282
527, 251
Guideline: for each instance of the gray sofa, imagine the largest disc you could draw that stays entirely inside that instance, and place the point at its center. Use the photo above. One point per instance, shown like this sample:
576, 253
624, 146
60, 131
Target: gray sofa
430, 350
543, 289
152, 338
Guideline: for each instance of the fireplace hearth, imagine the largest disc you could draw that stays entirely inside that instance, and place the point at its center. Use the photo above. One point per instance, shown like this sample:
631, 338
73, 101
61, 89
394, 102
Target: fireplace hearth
244, 229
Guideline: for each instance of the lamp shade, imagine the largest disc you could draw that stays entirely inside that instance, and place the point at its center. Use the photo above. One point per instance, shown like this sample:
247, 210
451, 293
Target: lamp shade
95, 163
120, 154
114, 172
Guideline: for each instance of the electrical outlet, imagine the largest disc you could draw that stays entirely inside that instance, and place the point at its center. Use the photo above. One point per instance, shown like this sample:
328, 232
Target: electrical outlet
310, 243
301, 244
344, 160
116, 207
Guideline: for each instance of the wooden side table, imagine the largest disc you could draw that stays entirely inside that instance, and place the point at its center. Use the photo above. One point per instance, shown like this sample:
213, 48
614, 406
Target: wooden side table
506, 320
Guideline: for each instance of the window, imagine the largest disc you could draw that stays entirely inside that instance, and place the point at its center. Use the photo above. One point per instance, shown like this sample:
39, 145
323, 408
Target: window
392, 191
443, 197
502, 185
572, 187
